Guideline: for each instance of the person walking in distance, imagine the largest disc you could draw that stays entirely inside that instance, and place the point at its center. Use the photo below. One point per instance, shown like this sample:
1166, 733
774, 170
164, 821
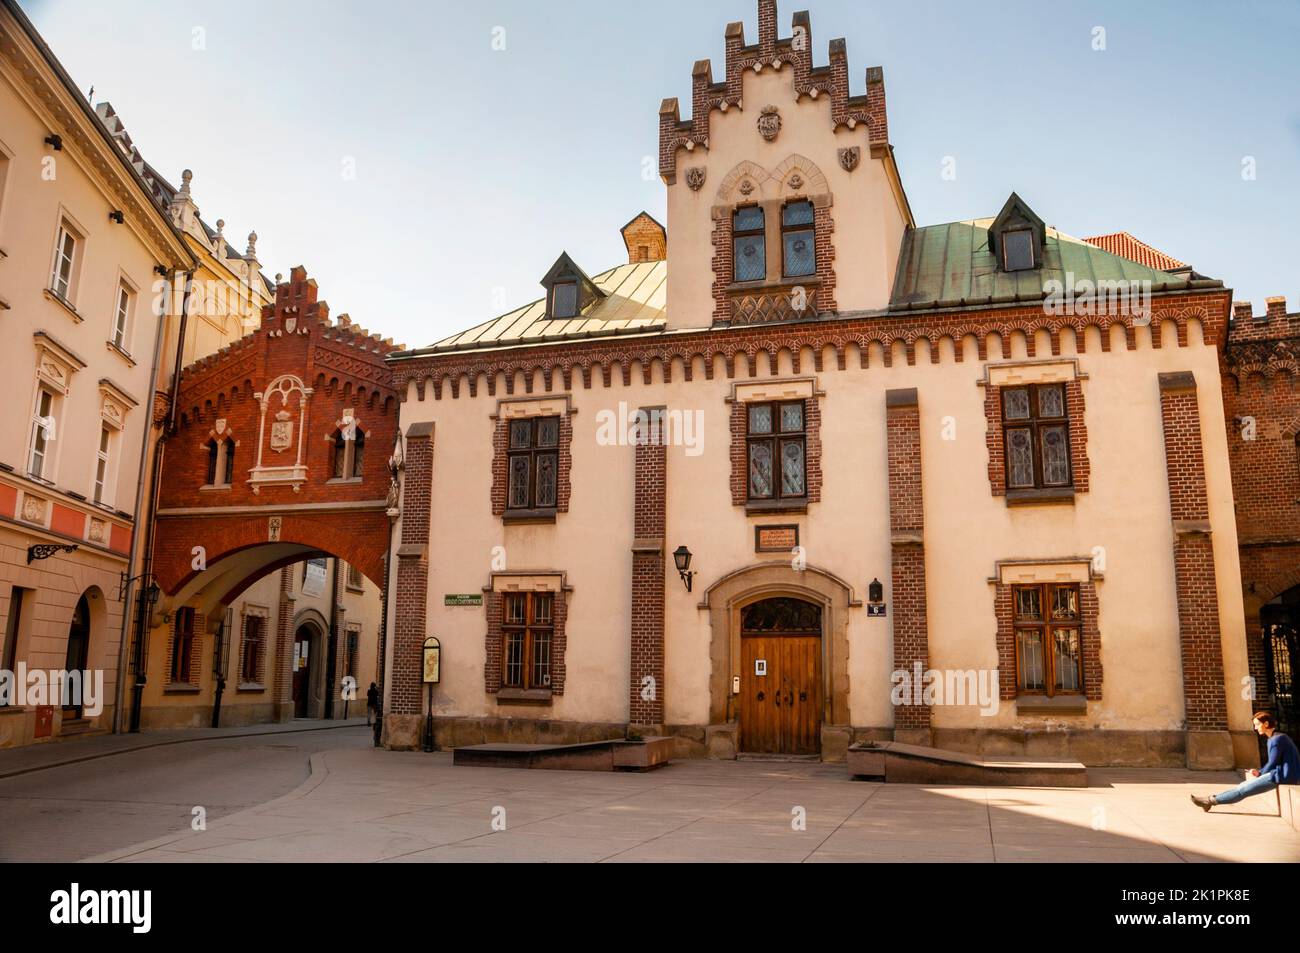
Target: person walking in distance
1283, 767
372, 702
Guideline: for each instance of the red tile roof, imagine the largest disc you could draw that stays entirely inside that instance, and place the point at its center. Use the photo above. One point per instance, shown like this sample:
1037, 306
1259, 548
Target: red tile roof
1126, 246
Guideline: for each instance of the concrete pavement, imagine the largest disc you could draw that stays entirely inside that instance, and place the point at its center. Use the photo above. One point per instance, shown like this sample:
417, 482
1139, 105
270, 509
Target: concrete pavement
366, 805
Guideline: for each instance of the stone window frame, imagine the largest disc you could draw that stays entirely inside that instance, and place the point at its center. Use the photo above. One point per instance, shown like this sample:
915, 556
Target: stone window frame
1022, 373
227, 446
251, 611
1077, 570
55, 367
552, 581
508, 409
781, 389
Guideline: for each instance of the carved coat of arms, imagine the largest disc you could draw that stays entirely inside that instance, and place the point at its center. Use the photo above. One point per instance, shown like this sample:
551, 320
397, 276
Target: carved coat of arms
849, 158
695, 178
769, 123
282, 432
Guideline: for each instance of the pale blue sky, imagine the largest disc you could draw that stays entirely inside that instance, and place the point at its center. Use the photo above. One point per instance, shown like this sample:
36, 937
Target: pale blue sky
476, 167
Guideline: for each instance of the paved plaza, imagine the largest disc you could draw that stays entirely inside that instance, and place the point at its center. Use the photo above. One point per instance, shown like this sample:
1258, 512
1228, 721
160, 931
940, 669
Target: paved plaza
359, 804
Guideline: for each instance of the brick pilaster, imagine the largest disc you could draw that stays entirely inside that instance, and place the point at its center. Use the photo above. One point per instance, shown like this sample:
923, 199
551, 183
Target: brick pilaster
284, 643
646, 704
907, 525
412, 585
1204, 702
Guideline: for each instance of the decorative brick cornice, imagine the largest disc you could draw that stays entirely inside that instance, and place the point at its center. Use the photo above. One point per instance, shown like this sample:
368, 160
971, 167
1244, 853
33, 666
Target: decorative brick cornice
739, 347
772, 53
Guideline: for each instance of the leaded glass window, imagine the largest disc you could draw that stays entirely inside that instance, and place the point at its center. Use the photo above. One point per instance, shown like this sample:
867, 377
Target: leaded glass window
781, 616
532, 464
798, 240
1048, 627
749, 260
1036, 437
777, 450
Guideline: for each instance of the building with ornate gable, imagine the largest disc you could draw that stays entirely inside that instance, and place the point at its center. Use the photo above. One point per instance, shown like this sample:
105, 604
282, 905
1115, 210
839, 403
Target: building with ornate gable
800, 459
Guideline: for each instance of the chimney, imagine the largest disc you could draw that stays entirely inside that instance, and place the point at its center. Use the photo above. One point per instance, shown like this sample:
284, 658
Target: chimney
645, 239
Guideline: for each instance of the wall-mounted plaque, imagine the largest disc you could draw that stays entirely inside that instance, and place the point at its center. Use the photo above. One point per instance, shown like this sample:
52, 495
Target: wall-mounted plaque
776, 539
465, 599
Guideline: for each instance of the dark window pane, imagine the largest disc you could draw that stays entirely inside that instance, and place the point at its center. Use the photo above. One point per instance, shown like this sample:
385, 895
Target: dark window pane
1056, 456
760, 470
760, 418
514, 610
1029, 604
1015, 404
1020, 458
800, 253
564, 299
514, 667
548, 432
748, 219
1065, 604
546, 479
791, 418
1018, 250
792, 472
797, 213
230, 462
1029, 644
541, 673
519, 471
781, 615
212, 463
542, 608
750, 262
1065, 647
1051, 402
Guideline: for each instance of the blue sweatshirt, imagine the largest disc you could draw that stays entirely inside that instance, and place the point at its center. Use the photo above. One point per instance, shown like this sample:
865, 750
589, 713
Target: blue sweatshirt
1283, 760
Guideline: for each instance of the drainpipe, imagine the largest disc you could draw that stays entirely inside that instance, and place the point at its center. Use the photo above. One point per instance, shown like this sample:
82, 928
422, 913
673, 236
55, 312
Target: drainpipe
142, 615
129, 588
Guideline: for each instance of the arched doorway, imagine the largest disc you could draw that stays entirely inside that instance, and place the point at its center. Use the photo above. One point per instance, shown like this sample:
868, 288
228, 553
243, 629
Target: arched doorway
1280, 620
77, 659
781, 677
305, 640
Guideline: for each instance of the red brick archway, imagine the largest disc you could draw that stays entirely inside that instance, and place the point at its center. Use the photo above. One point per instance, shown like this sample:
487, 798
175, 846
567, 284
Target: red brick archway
258, 472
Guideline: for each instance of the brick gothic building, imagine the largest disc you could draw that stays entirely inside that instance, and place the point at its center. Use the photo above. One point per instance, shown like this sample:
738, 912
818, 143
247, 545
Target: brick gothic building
1262, 401
838, 397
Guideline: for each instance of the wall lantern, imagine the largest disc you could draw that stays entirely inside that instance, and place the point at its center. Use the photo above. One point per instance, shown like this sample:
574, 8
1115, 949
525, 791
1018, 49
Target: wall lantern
875, 592
682, 558
116, 216
54, 141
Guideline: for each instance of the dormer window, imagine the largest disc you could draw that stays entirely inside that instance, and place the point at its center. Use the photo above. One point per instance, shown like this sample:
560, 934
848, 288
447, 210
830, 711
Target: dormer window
1018, 250
1017, 237
564, 299
569, 292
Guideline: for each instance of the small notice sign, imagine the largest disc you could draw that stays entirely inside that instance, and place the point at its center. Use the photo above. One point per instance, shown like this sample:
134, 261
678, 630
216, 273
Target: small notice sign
876, 611
760, 666
465, 599
775, 539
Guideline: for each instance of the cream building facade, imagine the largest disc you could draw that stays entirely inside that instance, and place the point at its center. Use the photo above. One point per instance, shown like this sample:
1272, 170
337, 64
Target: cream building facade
925, 494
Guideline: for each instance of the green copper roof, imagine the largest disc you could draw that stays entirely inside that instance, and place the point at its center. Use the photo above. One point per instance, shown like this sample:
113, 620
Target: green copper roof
946, 266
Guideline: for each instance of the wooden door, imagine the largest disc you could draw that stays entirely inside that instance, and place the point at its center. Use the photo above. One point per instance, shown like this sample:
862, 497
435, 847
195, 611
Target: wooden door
780, 711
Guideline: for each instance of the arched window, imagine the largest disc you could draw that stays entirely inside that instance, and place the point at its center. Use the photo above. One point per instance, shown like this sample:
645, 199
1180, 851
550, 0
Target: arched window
340, 455
214, 453
221, 461
348, 448
77, 659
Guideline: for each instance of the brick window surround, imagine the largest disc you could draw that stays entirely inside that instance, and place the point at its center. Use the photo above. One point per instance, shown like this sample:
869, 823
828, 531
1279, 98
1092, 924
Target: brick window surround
250, 613
494, 604
196, 648
1076, 570
1020, 374
790, 389
508, 410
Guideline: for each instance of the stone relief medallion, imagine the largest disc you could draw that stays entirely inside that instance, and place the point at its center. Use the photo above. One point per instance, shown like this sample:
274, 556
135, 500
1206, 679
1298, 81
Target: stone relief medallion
97, 528
34, 509
746, 187
695, 178
282, 432
273, 529
769, 123
849, 158
795, 181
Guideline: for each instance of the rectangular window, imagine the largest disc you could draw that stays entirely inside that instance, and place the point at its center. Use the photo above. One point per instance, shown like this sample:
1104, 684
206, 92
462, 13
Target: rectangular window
1036, 437
533, 459
43, 434
182, 645
776, 447
350, 653
527, 631
798, 240
1018, 250
65, 260
13, 626
1049, 655
749, 258
122, 316
355, 580
564, 299
250, 656
102, 465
